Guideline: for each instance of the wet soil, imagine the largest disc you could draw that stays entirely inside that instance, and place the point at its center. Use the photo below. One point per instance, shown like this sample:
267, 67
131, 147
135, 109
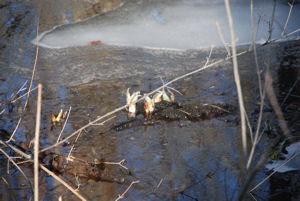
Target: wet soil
195, 159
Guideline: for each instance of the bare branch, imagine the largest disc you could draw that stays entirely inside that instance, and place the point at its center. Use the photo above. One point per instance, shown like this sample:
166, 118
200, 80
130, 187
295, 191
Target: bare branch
63, 128
62, 182
271, 23
237, 79
72, 147
274, 171
261, 93
116, 163
288, 18
158, 185
29, 87
289, 92
16, 165
222, 39
36, 143
273, 101
21, 89
123, 194
27, 156
24, 95
102, 123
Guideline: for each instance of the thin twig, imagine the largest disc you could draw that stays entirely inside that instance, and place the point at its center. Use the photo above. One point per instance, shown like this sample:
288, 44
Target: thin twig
123, 194
215, 106
117, 163
209, 55
5, 180
256, 136
72, 147
274, 171
289, 93
29, 87
253, 196
288, 34
237, 79
22, 162
36, 143
249, 127
253, 171
62, 182
288, 18
261, 93
273, 101
222, 39
63, 128
16, 165
174, 90
158, 185
21, 89
102, 123
27, 156
23, 95
271, 23
185, 112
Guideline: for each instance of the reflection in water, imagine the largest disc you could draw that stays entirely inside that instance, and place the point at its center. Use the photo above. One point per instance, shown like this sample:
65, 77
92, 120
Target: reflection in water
198, 159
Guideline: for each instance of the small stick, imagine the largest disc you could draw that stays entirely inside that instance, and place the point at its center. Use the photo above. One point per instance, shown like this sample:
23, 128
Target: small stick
123, 194
25, 161
174, 90
215, 106
24, 95
184, 112
288, 18
288, 34
27, 156
158, 185
63, 182
5, 180
271, 23
289, 93
16, 165
63, 128
249, 127
253, 196
274, 103
78, 182
21, 89
237, 79
261, 94
117, 163
73, 145
274, 171
222, 39
209, 55
29, 87
36, 143
103, 122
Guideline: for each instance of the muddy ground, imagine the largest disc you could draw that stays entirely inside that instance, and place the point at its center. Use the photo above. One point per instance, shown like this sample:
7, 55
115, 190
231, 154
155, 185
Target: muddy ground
194, 160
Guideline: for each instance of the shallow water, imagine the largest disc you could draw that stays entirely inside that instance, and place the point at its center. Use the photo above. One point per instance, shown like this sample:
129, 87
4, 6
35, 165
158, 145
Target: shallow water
200, 160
